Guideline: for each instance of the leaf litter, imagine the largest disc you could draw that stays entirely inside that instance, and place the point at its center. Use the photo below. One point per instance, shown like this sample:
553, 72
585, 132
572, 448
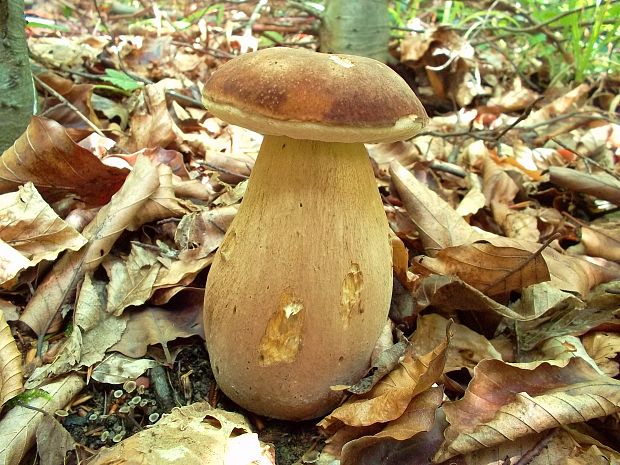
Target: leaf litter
504, 223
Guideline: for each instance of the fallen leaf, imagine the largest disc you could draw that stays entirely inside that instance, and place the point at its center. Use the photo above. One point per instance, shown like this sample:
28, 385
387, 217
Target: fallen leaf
19, 426
389, 399
32, 227
466, 349
490, 269
505, 402
152, 325
196, 434
53, 441
601, 185
11, 383
131, 279
101, 233
117, 368
58, 167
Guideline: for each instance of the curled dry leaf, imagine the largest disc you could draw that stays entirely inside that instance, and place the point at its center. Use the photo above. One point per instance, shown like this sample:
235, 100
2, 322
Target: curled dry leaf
438, 224
33, 228
132, 279
600, 240
46, 156
467, 348
152, 325
101, 233
390, 397
196, 434
11, 264
505, 402
11, 382
570, 315
601, 185
440, 227
418, 418
19, 426
490, 269
604, 348
151, 123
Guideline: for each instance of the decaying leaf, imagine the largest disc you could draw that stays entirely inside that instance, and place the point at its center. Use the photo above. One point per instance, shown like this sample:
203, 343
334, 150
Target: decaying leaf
30, 226
152, 325
505, 402
53, 441
58, 167
101, 233
131, 279
117, 368
19, 426
602, 185
11, 383
466, 349
193, 435
389, 399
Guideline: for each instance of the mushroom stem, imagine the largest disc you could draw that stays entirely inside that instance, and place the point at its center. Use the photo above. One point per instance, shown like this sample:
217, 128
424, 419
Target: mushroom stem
300, 288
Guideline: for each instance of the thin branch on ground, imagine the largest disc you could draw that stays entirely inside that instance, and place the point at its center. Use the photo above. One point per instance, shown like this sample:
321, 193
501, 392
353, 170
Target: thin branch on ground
68, 104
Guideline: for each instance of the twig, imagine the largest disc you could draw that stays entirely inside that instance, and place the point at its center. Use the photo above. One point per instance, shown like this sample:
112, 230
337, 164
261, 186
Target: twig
537, 449
549, 240
586, 159
489, 134
69, 104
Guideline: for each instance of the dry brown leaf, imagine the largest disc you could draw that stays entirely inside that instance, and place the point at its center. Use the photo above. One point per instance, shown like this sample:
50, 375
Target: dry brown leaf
440, 227
599, 240
53, 442
547, 448
389, 399
474, 200
467, 348
162, 203
46, 156
11, 382
19, 426
94, 332
505, 402
438, 224
417, 450
151, 124
193, 435
604, 347
557, 107
601, 185
132, 279
571, 316
450, 293
152, 325
77, 94
101, 233
490, 269
32, 227
12, 263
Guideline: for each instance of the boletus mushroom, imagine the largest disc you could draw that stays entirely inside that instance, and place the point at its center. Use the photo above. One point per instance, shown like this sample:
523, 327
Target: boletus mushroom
300, 288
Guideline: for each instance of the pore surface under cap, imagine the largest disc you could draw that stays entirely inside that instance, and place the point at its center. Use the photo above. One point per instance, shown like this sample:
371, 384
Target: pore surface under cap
309, 95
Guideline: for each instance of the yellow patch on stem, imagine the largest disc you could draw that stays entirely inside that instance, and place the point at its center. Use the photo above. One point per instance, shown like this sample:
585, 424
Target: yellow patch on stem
282, 339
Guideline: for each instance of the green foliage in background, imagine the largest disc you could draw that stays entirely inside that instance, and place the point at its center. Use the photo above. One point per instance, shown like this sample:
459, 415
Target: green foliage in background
569, 40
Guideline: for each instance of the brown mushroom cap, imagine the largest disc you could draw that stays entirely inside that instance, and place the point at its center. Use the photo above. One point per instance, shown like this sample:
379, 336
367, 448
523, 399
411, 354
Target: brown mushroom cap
308, 95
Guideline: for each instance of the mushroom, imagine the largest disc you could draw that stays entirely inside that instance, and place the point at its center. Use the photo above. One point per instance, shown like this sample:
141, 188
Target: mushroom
300, 288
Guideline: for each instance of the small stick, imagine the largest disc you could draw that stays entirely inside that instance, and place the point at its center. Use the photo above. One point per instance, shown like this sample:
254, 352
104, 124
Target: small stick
69, 104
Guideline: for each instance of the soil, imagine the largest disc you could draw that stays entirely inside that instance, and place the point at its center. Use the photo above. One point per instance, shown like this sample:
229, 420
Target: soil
113, 413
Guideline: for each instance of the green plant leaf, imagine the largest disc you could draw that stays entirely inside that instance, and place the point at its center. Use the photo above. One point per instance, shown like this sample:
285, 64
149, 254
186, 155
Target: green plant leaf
121, 80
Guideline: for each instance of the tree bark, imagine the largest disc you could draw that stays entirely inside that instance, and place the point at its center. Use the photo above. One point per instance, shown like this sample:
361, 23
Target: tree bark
358, 27
16, 86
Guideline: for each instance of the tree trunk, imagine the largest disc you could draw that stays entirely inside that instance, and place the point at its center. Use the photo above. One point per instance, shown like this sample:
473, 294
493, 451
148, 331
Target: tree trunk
359, 27
16, 87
